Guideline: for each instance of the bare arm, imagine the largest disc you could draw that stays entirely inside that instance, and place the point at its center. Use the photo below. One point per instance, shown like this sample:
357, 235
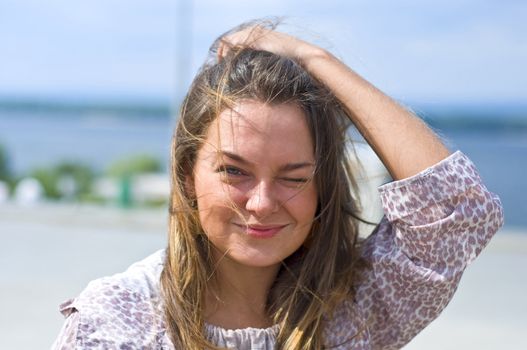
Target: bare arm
402, 141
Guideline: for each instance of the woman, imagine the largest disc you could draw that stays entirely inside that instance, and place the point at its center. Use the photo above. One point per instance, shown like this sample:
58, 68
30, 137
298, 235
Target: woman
263, 249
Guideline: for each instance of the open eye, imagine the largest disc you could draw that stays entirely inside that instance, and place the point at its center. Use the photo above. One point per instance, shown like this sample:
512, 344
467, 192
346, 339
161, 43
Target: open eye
230, 171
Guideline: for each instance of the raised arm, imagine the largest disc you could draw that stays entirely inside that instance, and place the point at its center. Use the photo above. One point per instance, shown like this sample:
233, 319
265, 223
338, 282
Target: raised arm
402, 141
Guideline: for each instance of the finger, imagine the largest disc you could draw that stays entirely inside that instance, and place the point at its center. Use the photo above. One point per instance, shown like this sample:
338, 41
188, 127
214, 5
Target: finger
252, 37
223, 49
219, 52
245, 37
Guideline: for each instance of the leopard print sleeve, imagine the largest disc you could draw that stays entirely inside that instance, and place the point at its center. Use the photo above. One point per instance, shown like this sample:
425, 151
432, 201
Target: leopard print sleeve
67, 338
435, 223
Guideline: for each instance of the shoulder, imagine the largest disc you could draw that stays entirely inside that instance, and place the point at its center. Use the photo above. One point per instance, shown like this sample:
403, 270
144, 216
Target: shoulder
123, 309
140, 280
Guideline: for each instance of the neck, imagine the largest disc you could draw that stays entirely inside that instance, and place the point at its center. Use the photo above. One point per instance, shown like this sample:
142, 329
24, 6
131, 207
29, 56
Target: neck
238, 296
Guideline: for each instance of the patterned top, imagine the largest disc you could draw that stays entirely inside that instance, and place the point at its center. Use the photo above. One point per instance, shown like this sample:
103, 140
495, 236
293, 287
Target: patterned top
435, 223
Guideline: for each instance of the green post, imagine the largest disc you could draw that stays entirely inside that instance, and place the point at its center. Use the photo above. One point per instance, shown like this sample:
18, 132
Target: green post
125, 191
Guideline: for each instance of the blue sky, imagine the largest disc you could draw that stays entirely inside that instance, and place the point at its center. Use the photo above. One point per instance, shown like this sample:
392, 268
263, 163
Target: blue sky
419, 51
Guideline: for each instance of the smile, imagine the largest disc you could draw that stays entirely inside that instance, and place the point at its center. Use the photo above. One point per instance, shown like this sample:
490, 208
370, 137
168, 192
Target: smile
261, 231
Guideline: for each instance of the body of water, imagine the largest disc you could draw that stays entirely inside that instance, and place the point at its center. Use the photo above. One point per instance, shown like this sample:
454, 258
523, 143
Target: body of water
40, 139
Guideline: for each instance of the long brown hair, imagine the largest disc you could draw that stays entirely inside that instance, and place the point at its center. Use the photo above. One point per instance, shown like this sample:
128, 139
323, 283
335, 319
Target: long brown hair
320, 274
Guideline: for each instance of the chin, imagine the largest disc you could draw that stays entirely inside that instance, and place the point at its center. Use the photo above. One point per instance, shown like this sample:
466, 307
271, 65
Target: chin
255, 259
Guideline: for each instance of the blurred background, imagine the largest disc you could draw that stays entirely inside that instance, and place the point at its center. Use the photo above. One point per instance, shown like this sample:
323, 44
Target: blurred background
89, 93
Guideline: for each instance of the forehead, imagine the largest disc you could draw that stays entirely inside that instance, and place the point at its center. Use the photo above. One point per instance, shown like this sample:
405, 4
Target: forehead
254, 130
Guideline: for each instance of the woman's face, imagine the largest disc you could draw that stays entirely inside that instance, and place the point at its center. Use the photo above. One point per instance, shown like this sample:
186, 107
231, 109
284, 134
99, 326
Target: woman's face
253, 183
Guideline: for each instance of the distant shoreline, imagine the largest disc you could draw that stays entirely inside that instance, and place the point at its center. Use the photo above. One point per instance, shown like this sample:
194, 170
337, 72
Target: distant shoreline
491, 117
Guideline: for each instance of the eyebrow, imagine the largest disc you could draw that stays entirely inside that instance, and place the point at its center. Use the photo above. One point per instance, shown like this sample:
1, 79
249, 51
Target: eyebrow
286, 167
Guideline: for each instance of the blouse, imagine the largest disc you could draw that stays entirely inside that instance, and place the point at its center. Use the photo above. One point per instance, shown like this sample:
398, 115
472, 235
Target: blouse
435, 224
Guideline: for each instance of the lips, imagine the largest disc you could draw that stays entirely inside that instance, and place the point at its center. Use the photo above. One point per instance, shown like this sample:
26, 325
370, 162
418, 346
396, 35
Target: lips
261, 231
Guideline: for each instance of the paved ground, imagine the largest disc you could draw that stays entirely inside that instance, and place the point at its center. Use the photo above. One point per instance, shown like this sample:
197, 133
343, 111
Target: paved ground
49, 253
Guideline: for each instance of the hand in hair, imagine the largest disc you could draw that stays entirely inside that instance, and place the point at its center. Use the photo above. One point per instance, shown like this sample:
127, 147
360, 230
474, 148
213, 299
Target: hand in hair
262, 38
401, 140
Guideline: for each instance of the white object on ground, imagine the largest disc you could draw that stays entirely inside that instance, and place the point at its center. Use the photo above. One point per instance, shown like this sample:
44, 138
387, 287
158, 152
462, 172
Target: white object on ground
150, 187
144, 187
29, 191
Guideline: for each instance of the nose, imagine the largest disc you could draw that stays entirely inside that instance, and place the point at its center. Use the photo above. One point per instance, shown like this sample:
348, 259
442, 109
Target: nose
262, 200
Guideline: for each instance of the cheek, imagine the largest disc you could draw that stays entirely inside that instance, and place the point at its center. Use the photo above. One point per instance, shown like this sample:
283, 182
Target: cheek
214, 215
217, 208
303, 205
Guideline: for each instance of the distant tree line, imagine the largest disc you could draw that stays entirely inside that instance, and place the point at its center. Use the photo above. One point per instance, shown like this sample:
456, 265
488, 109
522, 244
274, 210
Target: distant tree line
74, 180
